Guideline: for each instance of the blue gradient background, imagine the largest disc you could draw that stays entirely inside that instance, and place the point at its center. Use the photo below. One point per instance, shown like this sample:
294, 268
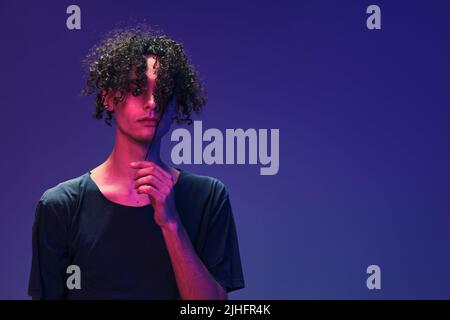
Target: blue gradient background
364, 134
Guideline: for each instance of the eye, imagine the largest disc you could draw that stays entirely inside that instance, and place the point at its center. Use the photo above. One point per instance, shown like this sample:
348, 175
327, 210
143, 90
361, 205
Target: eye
133, 88
136, 92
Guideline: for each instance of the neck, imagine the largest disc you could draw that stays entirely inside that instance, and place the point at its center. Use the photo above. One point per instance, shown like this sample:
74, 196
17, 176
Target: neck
127, 150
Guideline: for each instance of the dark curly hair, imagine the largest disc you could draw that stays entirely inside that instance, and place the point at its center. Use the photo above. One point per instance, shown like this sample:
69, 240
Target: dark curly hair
123, 49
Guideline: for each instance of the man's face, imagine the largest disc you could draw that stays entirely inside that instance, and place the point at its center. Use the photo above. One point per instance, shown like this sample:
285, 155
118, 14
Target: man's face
131, 113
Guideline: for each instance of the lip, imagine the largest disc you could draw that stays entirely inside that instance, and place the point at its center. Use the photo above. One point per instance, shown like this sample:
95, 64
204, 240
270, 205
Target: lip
148, 120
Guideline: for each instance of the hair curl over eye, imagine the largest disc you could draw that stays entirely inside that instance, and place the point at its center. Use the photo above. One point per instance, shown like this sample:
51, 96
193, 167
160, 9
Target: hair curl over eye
110, 62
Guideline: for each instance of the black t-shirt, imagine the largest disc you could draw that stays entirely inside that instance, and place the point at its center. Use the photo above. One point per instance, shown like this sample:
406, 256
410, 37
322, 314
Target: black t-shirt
120, 249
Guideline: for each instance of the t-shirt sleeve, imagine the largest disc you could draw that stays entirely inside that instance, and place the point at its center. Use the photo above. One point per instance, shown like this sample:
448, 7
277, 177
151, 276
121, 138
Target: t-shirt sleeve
221, 252
49, 251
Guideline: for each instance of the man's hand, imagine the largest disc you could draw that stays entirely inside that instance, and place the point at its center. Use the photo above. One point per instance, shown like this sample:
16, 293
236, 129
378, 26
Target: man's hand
158, 184
194, 280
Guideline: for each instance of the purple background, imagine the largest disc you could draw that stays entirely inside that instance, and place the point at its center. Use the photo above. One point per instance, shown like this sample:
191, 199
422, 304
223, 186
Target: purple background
364, 134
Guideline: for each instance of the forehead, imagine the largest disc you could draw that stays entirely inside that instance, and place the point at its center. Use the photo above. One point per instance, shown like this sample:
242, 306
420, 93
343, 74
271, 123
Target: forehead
152, 67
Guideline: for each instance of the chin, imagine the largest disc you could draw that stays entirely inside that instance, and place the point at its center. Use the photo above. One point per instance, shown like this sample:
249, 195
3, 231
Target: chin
145, 139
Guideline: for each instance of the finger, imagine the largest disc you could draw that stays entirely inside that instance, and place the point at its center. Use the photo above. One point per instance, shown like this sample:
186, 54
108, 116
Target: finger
153, 172
154, 182
153, 193
144, 164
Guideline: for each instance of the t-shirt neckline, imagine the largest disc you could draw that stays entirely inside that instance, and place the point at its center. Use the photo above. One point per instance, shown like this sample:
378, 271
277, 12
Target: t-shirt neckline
97, 189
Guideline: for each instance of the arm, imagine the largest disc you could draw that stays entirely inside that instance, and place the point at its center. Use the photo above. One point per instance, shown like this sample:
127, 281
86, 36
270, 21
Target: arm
49, 255
193, 278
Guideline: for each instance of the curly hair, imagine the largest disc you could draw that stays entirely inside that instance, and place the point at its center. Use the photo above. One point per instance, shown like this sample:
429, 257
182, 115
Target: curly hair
125, 49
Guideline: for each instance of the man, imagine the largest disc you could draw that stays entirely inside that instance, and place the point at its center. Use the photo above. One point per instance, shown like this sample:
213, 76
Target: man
134, 226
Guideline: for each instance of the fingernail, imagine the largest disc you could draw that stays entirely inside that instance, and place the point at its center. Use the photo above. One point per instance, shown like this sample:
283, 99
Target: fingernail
133, 163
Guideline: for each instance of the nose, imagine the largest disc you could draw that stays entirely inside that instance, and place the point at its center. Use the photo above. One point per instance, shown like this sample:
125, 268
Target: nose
151, 106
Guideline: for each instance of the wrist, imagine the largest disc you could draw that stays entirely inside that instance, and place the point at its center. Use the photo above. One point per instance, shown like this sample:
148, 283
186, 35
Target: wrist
171, 225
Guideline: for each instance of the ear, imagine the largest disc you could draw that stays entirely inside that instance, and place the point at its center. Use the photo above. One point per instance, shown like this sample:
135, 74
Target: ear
108, 102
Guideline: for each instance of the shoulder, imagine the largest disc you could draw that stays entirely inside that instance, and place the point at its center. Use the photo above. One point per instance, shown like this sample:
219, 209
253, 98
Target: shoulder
208, 194
204, 184
64, 194
58, 203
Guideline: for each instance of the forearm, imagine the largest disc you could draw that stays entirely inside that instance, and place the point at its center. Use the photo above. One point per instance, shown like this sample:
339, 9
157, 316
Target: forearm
194, 280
